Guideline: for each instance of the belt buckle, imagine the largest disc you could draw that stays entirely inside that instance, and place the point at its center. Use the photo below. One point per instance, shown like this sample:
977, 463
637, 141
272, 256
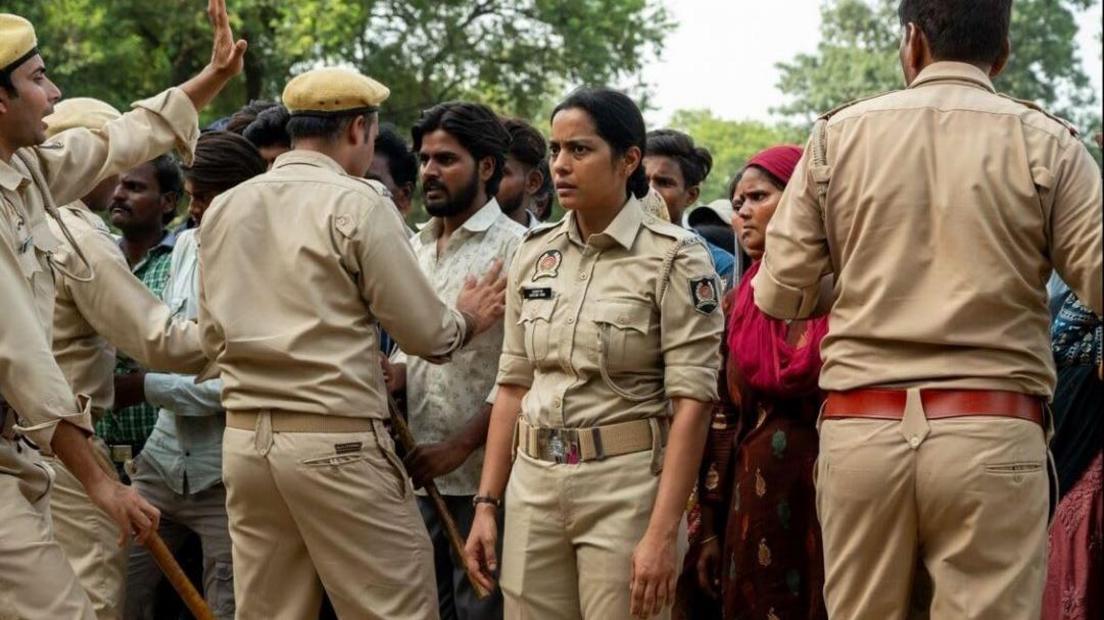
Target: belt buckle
563, 446
121, 453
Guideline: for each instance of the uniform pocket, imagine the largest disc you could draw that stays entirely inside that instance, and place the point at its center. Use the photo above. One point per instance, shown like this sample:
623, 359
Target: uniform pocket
1013, 468
623, 327
536, 319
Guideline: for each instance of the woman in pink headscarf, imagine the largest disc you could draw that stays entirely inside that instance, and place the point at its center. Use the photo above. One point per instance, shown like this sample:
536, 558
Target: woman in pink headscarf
760, 545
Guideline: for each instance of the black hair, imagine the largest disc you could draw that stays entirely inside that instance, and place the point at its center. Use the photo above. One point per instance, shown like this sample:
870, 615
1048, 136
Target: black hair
323, 126
222, 160
170, 180
695, 162
618, 121
269, 128
401, 161
545, 192
733, 183
475, 126
247, 114
962, 30
527, 145
7, 84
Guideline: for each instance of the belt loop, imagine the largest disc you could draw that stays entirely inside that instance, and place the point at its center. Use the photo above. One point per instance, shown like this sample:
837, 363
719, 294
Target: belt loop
657, 446
262, 432
914, 422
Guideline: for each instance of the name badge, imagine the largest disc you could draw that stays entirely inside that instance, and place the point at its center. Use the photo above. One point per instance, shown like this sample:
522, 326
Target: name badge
529, 292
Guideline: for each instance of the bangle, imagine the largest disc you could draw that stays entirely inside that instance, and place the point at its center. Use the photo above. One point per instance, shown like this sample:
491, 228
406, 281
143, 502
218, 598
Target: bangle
486, 499
708, 539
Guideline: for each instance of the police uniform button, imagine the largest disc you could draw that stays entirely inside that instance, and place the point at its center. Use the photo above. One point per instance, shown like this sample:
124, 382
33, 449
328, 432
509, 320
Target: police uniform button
914, 441
582, 276
556, 403
570, 321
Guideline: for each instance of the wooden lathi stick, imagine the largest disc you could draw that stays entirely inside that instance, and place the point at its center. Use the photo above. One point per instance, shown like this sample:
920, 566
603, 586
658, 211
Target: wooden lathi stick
456, 541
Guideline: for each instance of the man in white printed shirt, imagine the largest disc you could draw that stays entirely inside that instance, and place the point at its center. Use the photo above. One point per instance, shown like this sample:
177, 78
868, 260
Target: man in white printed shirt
461, 147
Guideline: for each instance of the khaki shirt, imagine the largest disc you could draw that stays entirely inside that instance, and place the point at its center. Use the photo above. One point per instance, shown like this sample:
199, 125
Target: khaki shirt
298, 269
947, 208
607, 330
62, 170
114, 309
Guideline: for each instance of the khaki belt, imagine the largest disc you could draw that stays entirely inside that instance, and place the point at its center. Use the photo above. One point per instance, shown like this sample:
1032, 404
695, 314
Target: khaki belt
578, 445
298, 422
938, 404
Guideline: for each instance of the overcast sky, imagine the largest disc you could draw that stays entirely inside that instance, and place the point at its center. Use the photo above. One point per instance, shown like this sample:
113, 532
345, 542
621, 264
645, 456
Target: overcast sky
723, 53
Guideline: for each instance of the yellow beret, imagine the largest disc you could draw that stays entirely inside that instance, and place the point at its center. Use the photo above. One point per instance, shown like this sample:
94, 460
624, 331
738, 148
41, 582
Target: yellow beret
17, 41
332, 90
79, 112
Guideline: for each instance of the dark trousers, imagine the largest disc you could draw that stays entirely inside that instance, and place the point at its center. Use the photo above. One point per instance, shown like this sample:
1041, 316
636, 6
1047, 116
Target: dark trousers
455, 596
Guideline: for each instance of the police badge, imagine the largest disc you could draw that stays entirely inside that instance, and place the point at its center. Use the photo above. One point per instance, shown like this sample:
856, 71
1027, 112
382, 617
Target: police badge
548, 265
703, 291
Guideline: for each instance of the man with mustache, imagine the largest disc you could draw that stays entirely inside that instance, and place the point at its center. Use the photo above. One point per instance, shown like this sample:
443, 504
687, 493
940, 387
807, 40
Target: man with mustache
462, 149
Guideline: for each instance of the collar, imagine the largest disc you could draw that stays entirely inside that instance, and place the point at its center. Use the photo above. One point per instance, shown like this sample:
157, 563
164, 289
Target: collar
622, 230
10, 178
166, 244
948, 71
480, 221
303, 157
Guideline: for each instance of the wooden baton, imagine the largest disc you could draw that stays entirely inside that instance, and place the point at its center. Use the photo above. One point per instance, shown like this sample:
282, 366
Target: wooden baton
456, 541
163, 557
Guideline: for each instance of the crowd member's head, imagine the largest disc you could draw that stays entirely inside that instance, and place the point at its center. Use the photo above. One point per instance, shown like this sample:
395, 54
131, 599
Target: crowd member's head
27, 96
245, 115
462, 149
146, 197
714, 222
757, 194
676, 168
596, 147
268, 132
90, 114
334, 111
396, 167
970, 31
521, 177
222, 160
543, 199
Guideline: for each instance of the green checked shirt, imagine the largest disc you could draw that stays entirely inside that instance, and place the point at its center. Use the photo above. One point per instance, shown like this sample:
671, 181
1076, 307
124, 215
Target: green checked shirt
132, 425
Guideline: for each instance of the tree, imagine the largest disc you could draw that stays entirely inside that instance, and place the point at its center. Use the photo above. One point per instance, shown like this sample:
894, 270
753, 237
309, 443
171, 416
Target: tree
858, 56
513, 54
731, 143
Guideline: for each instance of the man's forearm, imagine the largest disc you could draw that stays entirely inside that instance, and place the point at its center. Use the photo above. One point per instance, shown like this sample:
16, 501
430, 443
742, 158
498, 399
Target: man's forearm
474, 432
71, 445
205, 86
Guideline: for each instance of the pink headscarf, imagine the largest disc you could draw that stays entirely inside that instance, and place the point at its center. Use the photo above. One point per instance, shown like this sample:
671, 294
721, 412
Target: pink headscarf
756, 342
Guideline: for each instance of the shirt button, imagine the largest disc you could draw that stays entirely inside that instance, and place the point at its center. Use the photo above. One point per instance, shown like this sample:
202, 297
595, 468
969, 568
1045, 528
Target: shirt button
187, 454
582, 276
571, 321
914, 441
556, 403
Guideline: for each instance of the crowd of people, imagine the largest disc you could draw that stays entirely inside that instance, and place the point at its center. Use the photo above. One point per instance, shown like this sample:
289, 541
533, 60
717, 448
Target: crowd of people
864, 383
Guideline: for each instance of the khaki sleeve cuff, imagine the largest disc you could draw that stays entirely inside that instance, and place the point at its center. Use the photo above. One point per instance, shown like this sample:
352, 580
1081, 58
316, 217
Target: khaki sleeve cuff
42, 434
177, 110
781, 301
514, 370
696, 382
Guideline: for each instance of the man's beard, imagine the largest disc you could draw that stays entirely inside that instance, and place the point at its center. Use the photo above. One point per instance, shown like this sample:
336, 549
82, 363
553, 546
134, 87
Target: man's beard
451, 205
510, 205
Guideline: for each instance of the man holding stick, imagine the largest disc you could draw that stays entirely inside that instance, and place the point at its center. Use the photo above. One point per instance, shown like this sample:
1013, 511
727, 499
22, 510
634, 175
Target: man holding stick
38, 407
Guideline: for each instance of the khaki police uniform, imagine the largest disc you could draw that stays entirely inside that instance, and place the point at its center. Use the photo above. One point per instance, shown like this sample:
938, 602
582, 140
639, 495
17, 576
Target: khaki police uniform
299, 268
603, 332
90, 319
36, 581
944, 209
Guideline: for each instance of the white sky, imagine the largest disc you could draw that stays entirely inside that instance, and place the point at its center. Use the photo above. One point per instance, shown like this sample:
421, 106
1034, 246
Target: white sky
722, 55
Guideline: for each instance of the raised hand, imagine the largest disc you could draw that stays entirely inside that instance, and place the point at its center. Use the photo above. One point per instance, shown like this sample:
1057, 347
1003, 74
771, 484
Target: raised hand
227, 55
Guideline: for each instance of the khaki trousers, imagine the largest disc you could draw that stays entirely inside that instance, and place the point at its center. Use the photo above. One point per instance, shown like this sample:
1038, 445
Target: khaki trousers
966, 497
36, 580
324, 510
90, 539
570, 534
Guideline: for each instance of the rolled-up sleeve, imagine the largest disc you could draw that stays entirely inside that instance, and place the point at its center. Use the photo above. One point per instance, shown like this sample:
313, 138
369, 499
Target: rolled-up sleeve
75, 160
796, 253
1075, 225
691, 326
514, 366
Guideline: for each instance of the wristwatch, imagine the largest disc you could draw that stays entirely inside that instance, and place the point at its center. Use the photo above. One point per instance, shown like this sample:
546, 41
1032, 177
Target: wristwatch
486, 499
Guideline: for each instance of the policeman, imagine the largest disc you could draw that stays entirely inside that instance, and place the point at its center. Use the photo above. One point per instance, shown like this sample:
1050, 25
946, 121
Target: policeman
36, 581
610, 358
91, 317
300, 267
941, 209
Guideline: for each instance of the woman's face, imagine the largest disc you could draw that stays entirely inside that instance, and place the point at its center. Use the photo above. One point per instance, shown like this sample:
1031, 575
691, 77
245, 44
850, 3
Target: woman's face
585, 172
754, 202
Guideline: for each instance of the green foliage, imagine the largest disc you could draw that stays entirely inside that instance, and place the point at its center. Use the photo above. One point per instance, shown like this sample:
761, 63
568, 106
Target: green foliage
513, 54
731, 143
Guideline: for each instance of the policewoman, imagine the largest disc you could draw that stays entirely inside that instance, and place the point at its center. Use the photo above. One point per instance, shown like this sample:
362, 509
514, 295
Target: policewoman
609, 361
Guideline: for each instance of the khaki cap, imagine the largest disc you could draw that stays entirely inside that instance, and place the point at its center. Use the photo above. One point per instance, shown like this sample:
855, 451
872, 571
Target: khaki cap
17, 41
79, 112
333, 90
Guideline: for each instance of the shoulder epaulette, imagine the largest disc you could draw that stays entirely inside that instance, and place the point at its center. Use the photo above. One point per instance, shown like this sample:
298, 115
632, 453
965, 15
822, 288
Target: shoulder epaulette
830, 113
1038, 108
536, 231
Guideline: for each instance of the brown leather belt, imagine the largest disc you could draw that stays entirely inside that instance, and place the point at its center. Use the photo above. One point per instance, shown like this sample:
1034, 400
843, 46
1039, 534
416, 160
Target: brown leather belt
890, 404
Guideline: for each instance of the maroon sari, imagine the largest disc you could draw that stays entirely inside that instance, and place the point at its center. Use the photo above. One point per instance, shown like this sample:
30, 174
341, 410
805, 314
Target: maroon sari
757, 473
